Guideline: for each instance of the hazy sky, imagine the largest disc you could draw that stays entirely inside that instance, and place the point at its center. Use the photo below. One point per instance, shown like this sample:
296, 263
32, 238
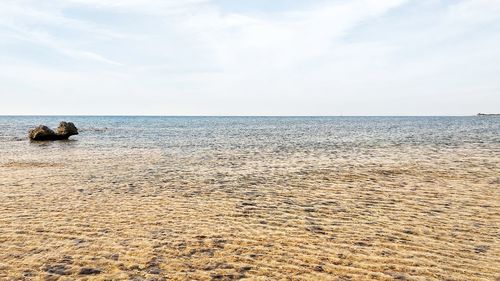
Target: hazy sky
249, 57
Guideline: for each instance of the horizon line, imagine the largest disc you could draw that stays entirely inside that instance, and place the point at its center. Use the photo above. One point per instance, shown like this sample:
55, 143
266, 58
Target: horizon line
175, 115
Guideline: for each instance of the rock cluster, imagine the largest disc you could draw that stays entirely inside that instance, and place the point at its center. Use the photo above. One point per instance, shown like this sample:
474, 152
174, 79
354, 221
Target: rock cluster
44, 133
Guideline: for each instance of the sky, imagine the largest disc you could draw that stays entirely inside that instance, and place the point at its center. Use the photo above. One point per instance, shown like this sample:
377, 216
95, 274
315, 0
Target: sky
249, 57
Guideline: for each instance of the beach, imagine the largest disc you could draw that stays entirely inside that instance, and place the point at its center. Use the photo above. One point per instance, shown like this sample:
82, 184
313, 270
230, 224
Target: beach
192, 198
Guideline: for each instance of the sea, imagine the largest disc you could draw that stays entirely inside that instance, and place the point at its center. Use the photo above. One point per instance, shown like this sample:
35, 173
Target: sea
190, 134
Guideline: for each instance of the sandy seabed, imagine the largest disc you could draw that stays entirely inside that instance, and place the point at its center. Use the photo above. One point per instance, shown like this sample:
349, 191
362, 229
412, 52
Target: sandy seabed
394, 213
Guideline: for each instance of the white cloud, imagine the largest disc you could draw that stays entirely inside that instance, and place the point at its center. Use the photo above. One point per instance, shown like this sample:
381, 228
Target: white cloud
474, 11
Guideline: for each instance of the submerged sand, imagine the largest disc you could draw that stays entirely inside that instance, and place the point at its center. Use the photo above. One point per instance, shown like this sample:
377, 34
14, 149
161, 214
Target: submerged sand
387, 213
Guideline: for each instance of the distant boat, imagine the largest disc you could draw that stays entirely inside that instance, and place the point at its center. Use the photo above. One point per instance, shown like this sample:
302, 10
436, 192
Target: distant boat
485, 114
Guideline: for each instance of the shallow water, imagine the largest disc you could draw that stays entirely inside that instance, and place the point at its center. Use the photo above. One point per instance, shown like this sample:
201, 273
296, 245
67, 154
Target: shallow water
318, 198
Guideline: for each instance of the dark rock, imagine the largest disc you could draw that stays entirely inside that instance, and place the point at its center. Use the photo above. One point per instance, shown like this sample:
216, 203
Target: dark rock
44, 133
59, 269
217, 276
246, 268
89, 271
41, 133
481, 249
154, 270
67, 129
319, 268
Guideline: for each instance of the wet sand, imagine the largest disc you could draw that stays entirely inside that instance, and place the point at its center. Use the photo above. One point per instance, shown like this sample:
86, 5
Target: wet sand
387, 213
